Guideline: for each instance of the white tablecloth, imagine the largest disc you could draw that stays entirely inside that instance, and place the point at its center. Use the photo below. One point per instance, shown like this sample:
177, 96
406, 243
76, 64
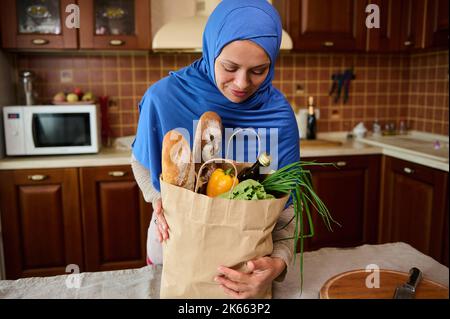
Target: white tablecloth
144, 282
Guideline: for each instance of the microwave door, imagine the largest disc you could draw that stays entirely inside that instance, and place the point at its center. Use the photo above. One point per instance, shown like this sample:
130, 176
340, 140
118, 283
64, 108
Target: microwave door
61, 129
63, 132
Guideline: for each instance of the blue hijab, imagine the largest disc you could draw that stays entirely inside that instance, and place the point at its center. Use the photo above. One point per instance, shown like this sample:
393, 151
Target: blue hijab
178, 100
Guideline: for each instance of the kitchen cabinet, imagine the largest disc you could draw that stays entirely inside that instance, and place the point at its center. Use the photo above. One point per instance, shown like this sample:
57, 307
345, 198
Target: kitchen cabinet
437, 24
401, 26
325, 25
34, 24
115, 218
423, 24
93, 217
413, 206
445, 246
115, 24
41, 221
351, 192
387, 37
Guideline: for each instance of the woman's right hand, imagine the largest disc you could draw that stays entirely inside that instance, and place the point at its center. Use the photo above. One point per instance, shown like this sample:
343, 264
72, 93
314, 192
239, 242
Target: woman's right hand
160, 220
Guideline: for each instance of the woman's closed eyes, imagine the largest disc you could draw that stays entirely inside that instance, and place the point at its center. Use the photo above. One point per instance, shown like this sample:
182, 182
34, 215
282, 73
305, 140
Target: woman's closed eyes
259, 70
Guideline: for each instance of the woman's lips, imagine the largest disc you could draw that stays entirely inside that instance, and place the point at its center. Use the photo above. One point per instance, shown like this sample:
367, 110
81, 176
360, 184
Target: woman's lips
238, 93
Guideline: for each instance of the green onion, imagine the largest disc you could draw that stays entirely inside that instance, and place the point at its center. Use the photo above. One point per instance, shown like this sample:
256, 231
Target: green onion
294, 179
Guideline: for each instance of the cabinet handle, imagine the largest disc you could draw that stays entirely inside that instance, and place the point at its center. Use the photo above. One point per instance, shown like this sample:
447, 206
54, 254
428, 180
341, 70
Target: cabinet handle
328, 44
37, 177
341, 163
117, 173
408, 170
116, 42
39, 41
407, 43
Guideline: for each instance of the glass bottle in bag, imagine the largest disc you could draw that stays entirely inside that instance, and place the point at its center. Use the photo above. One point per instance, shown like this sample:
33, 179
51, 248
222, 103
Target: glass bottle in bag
253, 172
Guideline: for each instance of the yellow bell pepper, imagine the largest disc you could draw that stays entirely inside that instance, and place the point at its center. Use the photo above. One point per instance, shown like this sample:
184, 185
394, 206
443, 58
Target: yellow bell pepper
220, 182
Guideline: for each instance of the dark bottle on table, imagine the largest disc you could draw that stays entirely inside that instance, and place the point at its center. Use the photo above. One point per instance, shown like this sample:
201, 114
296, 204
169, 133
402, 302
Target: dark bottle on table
253, 171
311, 123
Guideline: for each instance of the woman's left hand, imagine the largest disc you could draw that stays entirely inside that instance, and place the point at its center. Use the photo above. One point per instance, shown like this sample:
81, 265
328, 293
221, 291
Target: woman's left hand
253, 283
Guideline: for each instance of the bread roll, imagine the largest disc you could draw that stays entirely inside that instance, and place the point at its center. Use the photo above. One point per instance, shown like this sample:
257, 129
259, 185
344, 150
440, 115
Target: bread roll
208, 137
177, 165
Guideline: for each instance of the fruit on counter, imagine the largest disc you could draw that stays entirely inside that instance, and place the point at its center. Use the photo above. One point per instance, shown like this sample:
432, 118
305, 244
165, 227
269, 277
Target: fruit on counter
72, 97
59, 97
78, 92
220, 182
88, 96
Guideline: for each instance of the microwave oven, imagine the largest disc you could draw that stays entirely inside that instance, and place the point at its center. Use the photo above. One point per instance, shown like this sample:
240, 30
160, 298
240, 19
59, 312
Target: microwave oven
51, 129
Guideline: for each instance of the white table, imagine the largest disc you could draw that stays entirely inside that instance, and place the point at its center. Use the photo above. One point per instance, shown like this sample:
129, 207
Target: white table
144, 282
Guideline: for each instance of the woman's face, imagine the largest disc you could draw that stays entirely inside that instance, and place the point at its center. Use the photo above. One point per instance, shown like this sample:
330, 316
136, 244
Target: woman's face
240, 69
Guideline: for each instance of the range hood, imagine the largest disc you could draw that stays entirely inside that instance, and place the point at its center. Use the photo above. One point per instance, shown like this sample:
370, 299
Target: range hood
185, 34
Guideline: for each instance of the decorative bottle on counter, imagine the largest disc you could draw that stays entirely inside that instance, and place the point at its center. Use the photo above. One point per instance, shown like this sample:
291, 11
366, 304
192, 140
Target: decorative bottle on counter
311, 126
253, 172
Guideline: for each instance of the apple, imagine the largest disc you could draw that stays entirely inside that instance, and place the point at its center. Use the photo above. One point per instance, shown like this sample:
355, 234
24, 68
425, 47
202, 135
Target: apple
72, 97
88, 96
59, 97
78, 92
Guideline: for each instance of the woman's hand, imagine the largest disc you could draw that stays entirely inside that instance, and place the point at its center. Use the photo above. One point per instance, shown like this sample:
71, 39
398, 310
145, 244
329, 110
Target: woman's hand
253, 283
163, 228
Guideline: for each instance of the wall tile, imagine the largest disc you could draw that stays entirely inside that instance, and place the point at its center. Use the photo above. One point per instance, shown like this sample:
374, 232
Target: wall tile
387, 87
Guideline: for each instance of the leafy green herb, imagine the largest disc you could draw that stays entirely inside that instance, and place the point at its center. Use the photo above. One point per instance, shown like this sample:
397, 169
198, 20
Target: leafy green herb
295, 179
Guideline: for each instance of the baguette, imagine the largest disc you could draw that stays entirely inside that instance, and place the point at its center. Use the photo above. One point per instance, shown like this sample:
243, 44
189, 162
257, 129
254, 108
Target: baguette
208, 138
207, 145
177, 166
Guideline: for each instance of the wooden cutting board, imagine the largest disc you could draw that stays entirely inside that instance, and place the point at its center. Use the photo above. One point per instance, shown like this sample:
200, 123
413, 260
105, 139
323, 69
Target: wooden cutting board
352, 285
319, 143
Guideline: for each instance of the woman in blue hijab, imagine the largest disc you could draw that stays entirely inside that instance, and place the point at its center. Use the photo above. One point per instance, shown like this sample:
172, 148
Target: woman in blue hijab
233, 78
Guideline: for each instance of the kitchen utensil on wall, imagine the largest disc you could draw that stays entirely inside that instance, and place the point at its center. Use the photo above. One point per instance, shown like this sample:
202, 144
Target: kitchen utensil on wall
26, 91
341, 81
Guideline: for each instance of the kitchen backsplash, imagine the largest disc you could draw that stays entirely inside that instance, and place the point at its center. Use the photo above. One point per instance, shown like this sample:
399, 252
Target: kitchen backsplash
390, 88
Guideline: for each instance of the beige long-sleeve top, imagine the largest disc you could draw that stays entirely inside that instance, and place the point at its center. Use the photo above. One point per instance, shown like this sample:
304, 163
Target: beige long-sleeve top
283, 249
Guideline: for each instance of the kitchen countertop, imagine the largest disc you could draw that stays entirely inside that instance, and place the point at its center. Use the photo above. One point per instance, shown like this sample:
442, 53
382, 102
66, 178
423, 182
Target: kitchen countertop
393, 146
106, 157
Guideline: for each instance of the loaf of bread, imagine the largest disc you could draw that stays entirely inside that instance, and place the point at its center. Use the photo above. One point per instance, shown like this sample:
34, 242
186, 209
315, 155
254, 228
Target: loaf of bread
208, 137
177, 165
207, 145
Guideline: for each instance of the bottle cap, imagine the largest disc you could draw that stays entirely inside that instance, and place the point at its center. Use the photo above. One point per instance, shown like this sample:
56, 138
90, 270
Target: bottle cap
264, 159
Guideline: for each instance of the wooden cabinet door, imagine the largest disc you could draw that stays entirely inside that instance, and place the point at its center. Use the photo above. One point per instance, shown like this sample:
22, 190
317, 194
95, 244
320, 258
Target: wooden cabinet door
326, 25
350, 192
445, 246
387, 37
41, 222
115, 218
413, 206
437, 24
412, 24
27, 24
115, 25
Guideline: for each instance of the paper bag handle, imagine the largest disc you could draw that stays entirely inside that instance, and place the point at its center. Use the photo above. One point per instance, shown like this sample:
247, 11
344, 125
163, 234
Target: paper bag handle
242, 130
215, 160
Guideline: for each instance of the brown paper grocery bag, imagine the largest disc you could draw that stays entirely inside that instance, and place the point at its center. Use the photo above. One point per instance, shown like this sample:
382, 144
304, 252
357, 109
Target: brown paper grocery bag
207, 232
